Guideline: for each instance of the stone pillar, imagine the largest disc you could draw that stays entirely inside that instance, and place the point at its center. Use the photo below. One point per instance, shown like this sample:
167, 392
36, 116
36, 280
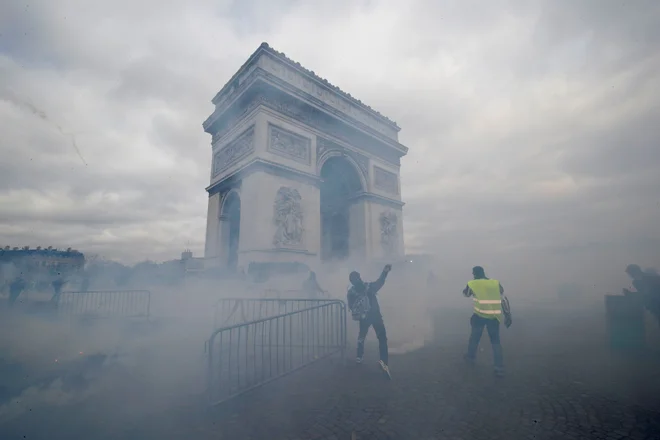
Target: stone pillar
259, 193
222, 244
357, 230
210, 248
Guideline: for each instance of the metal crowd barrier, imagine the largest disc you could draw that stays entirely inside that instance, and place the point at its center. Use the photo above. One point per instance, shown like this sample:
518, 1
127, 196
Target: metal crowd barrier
106, 303
248, 355
232, 311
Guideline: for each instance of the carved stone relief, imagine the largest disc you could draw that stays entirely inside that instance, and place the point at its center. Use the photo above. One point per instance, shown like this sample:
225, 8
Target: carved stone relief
389, 233
236, 150
386, 180
291, 145
288, 218
323, 145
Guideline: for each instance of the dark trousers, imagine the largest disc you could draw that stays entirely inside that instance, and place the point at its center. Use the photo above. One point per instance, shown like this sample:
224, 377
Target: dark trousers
13, 295
493, 326
375, 320
56, 296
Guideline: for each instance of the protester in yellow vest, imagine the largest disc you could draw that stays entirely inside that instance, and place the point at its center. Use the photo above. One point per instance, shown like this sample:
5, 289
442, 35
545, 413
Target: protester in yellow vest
490, 305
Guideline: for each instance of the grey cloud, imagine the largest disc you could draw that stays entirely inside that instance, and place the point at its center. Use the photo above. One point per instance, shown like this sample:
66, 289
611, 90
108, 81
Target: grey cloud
629, 28
152, 78
531, 125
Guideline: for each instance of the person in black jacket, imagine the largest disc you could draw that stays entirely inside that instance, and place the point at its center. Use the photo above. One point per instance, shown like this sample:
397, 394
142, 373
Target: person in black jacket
16, 288
57, 284
647, 285
364, 306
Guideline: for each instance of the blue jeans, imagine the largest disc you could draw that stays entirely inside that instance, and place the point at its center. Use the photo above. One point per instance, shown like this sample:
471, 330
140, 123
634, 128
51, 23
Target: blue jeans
493, 326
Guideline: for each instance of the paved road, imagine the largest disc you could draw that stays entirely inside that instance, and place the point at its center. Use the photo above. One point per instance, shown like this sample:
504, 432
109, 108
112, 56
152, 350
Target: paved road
561, 383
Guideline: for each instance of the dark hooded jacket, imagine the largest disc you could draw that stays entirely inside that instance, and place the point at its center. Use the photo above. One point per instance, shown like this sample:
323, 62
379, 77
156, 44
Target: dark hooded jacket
370, 290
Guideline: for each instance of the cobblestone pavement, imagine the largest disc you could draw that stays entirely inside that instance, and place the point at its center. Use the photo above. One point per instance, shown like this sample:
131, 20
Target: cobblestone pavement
561, 383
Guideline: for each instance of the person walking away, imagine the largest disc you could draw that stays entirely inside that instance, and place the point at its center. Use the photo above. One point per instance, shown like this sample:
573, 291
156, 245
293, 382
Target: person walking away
15, 289
84, 286
311, 288
648, 286
363, 303
489, 306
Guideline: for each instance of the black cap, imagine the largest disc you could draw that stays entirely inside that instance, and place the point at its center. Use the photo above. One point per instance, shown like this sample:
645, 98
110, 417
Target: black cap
478, 271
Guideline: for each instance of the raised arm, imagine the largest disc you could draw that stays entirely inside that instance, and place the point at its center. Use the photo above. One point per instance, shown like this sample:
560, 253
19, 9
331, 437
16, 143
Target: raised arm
376, 285
467, 292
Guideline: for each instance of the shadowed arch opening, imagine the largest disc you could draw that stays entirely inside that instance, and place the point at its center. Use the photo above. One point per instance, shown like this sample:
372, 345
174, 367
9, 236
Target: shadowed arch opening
231, 214
340, 182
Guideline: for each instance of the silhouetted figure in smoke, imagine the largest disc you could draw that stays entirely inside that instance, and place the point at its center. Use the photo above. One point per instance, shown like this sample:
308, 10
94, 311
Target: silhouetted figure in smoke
84, 286
311, 288
58, 283
364, 307
489, 306
648, 286
16, 288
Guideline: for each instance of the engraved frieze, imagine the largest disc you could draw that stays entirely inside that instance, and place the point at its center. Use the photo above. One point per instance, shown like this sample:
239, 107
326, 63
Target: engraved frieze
236, 150
389, 232
288, 144
386, 180
288, 218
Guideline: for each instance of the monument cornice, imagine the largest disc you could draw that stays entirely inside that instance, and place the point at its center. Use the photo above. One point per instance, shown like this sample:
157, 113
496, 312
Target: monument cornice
279, 64
277, 250
376, 198
267, 166
274, 168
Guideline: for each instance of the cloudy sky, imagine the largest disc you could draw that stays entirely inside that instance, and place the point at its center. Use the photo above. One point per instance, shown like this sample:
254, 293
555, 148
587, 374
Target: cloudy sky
533, 126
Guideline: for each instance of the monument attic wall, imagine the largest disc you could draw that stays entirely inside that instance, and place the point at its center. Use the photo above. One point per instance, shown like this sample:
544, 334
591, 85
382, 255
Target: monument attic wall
278, 65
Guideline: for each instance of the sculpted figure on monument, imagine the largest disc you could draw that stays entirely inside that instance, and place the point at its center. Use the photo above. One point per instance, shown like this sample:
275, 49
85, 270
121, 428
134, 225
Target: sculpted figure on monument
288, 217
388, 231
289, 144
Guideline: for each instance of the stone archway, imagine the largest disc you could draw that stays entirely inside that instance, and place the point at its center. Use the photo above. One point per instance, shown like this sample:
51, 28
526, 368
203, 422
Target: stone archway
231, 228
339, 185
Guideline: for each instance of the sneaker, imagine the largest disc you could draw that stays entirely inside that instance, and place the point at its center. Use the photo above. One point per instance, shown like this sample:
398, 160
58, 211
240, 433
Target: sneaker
358, 360
469, 360
385, 368
499, 371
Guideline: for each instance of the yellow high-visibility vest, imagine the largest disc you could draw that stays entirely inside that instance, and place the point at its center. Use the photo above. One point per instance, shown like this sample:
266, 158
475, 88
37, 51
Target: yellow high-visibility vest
487, 299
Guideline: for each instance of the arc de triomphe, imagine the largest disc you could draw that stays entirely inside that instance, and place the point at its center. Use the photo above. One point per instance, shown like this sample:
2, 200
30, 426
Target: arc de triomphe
302, 172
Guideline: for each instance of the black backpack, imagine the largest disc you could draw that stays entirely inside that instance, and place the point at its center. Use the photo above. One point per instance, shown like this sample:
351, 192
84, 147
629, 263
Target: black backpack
361, 305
